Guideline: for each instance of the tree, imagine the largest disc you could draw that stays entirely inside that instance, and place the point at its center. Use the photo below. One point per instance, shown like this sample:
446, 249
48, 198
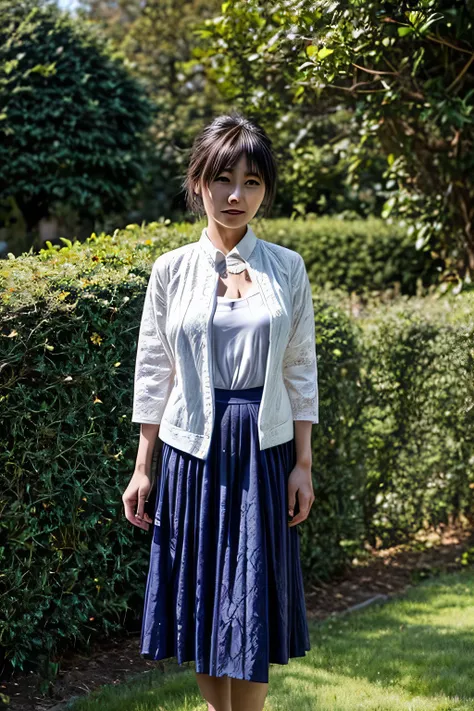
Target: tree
73, 122
158, 39
404, 70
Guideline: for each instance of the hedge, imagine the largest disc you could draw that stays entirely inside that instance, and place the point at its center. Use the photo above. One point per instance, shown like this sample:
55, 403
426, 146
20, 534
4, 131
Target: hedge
394, 382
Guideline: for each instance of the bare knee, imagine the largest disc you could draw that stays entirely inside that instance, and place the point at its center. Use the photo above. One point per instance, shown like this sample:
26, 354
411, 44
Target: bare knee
247, 695
215, 690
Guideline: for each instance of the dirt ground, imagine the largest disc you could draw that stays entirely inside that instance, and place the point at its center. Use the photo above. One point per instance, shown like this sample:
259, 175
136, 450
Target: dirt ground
384, 573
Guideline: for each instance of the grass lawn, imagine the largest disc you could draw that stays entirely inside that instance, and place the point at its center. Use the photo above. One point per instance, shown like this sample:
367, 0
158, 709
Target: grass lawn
414, 653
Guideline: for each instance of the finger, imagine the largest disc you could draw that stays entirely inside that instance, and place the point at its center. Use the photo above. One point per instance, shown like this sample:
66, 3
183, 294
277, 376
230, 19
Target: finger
297, 519
141, 523
141, 503
303, 513
129, 510
145, 517
291, 502
137, 522
129, 507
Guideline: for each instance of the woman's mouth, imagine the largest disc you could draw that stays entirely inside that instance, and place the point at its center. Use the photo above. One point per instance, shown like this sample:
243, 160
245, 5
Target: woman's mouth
233, 212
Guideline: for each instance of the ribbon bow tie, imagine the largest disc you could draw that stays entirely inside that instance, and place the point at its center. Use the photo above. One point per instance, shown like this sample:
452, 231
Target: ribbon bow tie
233, 263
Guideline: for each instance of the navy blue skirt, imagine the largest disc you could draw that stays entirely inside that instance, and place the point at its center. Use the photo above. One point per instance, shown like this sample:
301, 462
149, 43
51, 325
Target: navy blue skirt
225, 586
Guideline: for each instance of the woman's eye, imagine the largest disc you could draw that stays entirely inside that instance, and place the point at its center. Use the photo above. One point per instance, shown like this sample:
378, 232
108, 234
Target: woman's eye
223, 177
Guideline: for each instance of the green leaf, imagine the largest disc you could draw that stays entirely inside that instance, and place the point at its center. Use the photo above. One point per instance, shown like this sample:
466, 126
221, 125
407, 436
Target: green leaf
324, 52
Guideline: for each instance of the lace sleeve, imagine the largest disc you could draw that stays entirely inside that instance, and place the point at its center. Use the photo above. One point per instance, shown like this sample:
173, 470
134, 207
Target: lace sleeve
154, 366
300, 371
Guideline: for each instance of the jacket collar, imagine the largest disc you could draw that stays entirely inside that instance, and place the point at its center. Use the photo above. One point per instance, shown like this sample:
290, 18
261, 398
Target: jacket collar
242, 250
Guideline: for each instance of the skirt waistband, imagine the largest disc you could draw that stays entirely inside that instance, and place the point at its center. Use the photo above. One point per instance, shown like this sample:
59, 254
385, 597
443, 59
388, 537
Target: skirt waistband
239, 397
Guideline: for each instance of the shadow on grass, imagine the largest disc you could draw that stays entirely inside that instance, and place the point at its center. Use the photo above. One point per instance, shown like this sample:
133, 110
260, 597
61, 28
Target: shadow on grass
413, 652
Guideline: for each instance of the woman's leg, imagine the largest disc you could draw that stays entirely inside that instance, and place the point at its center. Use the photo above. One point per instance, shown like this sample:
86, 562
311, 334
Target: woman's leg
247, 695
215, 690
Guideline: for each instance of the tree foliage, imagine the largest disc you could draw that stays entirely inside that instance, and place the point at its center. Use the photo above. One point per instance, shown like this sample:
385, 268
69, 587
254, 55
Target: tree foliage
72, 120
251, 60
403, 71
158, 38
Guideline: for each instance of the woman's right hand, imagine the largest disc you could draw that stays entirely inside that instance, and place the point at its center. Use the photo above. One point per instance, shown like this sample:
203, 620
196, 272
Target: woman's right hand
134, 498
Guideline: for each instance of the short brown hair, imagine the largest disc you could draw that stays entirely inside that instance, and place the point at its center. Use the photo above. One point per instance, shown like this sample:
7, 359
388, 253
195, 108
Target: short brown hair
219, 145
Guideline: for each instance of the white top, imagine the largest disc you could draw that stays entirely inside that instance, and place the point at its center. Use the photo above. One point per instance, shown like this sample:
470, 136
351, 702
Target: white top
173, 384
241, 329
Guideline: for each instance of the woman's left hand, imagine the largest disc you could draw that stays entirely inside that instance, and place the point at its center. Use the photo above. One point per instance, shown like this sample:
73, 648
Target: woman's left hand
300, 481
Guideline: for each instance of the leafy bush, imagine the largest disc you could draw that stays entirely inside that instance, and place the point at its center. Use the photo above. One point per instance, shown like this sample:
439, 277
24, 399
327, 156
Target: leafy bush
72, 120
73, 567
71, 563
392, 452
357, 255
418, 357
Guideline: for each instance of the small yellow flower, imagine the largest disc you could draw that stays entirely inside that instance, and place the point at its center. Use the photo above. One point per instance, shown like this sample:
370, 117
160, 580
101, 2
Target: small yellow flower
96, 339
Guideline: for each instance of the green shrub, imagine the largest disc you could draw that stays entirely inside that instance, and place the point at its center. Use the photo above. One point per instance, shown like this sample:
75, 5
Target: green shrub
357, 255
74, 122
392, 452
418, 420
334, 531
73, 567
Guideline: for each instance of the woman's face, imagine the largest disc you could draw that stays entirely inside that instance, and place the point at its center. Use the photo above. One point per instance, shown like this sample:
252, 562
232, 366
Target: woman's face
233, 189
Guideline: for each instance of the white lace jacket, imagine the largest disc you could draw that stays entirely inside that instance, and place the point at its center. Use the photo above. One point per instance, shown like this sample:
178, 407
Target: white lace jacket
173, 384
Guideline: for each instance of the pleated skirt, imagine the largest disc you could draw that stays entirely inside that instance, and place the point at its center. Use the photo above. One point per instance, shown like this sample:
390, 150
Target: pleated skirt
224, 586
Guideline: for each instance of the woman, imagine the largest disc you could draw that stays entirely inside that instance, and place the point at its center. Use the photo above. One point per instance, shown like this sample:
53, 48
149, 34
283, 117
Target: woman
226, 375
